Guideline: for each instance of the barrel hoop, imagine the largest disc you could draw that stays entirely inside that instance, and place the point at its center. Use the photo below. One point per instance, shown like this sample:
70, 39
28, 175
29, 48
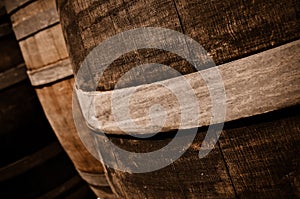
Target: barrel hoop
13, 6
13, 76
254, 85
29, 162
5, 29
59, 190
51, 73
42, 19
94, 179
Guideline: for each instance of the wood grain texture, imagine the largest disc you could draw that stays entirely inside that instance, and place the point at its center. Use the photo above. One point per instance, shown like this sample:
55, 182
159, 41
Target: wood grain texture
262, 155
45, 54
187, 177
29, 162
233, 29
51, 73
56, 100
44, 48
12, 6
94, 179
34, 17
250, 90
227, 30
57, 104
13, 76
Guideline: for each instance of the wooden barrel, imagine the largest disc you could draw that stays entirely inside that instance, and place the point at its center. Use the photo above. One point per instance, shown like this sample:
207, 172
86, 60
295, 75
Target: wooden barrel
255, 45
33, 164
38, 31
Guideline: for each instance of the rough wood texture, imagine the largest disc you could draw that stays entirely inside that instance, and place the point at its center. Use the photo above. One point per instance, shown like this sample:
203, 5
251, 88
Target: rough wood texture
13, 76
94, 179
56, 100
227, 30
253, 85
232, 29
12, 6
51, 73
262, 155
44, 48
34, 17
188, 177
57, 104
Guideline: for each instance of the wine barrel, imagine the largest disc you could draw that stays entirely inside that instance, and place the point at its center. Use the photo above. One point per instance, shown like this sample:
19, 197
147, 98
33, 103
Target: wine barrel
38, 31
255, 45
33, 164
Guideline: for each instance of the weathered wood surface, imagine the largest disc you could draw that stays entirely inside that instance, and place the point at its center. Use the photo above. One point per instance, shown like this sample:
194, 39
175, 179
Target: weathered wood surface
12, 6
13, 76
260, 83
34, 17
51, 73
94, 179
29, 162
44, 48
37, 27
261, 154
56, 100
227, 30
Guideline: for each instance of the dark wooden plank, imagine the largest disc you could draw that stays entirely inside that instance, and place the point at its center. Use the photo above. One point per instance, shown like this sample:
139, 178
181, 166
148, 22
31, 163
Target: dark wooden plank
263, 155
233, 29
188, 177
95, 22
227, 30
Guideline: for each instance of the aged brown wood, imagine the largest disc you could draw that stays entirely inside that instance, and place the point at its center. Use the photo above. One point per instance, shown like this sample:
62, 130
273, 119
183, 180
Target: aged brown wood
34, 17
51, 73
42, 44
250, 165
272, 80
11, 6
227, 30
32, 161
